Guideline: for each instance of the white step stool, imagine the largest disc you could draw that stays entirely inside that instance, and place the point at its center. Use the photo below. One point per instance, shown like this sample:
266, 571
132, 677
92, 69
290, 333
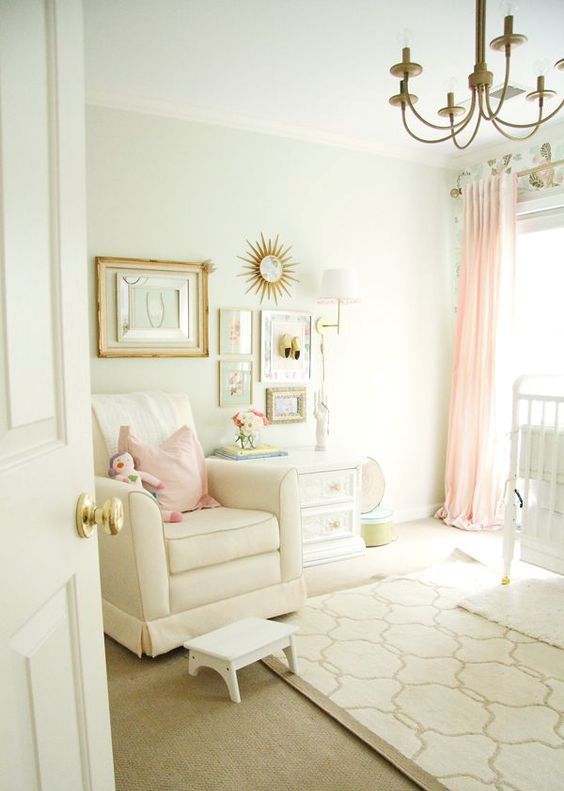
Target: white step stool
238, 645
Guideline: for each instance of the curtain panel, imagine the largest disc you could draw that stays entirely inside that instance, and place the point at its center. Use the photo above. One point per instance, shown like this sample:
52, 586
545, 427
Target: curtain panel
480, 401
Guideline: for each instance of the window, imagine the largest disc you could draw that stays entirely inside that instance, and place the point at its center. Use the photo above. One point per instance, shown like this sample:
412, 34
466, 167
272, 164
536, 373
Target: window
539, 292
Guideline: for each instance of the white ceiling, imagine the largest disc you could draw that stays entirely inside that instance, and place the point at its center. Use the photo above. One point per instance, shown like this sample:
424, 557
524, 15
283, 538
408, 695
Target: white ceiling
316, 69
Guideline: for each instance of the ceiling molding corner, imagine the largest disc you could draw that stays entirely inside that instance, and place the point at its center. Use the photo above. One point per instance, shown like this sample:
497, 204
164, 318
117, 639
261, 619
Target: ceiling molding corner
185, 112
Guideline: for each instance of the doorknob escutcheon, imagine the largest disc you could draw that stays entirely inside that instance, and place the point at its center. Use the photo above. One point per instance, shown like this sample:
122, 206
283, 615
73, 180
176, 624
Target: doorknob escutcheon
109, 516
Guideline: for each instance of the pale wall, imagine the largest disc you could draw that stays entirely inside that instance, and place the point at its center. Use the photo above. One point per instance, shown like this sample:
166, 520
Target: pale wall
172, 189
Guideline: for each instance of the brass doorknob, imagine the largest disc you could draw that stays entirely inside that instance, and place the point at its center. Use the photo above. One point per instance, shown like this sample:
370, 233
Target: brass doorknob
88, 515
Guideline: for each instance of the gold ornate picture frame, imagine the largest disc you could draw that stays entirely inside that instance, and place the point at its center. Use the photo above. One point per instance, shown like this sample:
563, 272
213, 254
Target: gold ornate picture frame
152, 308
286, 404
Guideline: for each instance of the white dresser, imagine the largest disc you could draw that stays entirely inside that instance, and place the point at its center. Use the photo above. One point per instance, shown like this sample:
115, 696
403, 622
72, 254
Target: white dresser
330, 502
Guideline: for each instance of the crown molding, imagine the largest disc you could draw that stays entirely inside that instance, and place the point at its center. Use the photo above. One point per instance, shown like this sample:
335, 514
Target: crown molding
185, 112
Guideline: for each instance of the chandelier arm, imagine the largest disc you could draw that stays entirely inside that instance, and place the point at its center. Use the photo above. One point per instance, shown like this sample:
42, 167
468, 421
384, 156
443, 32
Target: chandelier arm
441, 127
521, 137
455, 128
480, 83
474, 133
490, 115
536, 124
416, 137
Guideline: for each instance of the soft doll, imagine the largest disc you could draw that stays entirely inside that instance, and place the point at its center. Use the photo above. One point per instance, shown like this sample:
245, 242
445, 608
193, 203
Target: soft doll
122, 468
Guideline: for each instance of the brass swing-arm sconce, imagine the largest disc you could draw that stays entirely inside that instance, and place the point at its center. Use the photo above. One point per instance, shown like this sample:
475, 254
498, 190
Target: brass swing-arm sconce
340, 286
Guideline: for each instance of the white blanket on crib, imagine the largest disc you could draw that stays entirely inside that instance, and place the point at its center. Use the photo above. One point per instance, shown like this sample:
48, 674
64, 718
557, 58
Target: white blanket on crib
152, 416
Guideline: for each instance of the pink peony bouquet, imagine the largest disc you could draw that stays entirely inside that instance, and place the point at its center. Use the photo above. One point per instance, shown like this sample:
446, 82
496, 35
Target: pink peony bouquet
249, 424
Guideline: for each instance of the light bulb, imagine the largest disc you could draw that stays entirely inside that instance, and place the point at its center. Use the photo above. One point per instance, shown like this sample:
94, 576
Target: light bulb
405, 38
541, 67
508, 7
451, 85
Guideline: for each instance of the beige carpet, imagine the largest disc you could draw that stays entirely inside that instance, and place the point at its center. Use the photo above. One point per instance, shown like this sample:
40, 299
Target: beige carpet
173, 732
448, 695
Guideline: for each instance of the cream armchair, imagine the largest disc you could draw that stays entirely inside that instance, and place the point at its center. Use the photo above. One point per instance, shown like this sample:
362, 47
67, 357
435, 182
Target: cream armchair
164, 583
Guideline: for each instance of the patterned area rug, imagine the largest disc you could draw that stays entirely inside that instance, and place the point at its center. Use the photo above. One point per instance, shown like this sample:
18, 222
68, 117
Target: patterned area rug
452, 699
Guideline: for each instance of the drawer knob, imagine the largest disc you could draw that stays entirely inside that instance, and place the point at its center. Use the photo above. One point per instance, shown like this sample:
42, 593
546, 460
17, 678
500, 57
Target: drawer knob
336, 524
337, 487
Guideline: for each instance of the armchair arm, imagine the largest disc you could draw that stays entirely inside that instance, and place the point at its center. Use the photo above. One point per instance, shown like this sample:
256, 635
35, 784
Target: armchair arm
262, 487
133, 564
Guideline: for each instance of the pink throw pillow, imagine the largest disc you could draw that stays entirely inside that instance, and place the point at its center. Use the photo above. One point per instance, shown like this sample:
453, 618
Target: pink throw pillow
178, 462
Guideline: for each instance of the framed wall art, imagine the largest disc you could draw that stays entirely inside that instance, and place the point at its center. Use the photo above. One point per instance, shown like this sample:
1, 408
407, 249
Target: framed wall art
152, 308
286, 404
268, 268
235, 382
285, 347
235, 331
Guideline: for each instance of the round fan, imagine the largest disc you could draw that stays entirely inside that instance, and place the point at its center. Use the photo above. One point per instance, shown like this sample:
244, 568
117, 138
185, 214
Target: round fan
373, 485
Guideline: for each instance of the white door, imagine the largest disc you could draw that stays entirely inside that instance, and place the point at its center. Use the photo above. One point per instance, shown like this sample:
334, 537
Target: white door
54, 723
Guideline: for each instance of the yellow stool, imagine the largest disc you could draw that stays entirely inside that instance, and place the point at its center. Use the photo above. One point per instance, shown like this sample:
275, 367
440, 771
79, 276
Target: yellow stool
378, 527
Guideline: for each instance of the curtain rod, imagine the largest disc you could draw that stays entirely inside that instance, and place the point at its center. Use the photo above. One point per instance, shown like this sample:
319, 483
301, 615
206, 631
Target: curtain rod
456, 192
541, 167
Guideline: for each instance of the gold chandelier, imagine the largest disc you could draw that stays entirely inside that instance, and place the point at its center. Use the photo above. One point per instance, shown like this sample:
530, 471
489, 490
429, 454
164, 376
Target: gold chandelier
480, 82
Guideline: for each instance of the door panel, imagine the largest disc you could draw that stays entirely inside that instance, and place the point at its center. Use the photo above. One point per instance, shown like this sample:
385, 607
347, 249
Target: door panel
30, 222
47, 677
54, 720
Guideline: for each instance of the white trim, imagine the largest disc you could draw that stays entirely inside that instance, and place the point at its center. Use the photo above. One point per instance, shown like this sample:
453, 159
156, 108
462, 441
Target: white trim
544, 213
421, 512
166, 109
549, 201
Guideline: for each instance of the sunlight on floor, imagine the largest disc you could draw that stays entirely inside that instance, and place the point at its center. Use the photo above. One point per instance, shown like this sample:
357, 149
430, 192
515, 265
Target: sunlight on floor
418, 545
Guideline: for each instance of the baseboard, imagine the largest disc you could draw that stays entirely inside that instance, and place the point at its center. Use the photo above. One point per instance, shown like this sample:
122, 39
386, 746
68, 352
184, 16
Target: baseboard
412, 514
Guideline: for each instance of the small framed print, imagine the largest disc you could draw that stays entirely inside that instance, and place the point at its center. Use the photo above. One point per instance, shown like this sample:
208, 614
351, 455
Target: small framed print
235, 382
286, 404
235, 331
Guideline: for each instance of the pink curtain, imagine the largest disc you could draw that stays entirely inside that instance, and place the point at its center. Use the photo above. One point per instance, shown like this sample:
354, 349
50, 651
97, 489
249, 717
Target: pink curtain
480, 402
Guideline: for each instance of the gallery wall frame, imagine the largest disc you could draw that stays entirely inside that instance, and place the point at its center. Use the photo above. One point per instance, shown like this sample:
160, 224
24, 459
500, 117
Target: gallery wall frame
235, 382
286, 404
276, 325
236, 331
151, 308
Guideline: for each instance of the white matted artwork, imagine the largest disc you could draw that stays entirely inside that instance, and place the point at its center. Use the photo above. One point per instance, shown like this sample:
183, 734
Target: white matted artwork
152, 308
274, 366
235, 331
235, 382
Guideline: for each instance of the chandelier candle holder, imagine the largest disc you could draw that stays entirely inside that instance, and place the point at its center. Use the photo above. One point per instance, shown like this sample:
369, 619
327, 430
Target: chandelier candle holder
480, 82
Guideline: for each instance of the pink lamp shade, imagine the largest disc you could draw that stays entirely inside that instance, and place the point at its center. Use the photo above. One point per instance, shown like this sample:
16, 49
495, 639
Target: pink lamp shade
339, 285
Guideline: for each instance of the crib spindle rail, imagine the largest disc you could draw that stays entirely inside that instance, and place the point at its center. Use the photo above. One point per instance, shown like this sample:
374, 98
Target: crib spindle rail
537, 473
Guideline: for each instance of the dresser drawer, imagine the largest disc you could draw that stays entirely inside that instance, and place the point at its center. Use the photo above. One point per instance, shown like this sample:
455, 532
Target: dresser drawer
320, 488
327, 523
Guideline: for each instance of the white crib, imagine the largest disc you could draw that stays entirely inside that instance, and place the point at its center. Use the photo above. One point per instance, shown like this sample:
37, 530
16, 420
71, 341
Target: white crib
536, 474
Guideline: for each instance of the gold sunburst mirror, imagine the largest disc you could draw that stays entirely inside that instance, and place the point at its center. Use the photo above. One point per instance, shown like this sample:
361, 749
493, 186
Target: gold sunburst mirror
269, 269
